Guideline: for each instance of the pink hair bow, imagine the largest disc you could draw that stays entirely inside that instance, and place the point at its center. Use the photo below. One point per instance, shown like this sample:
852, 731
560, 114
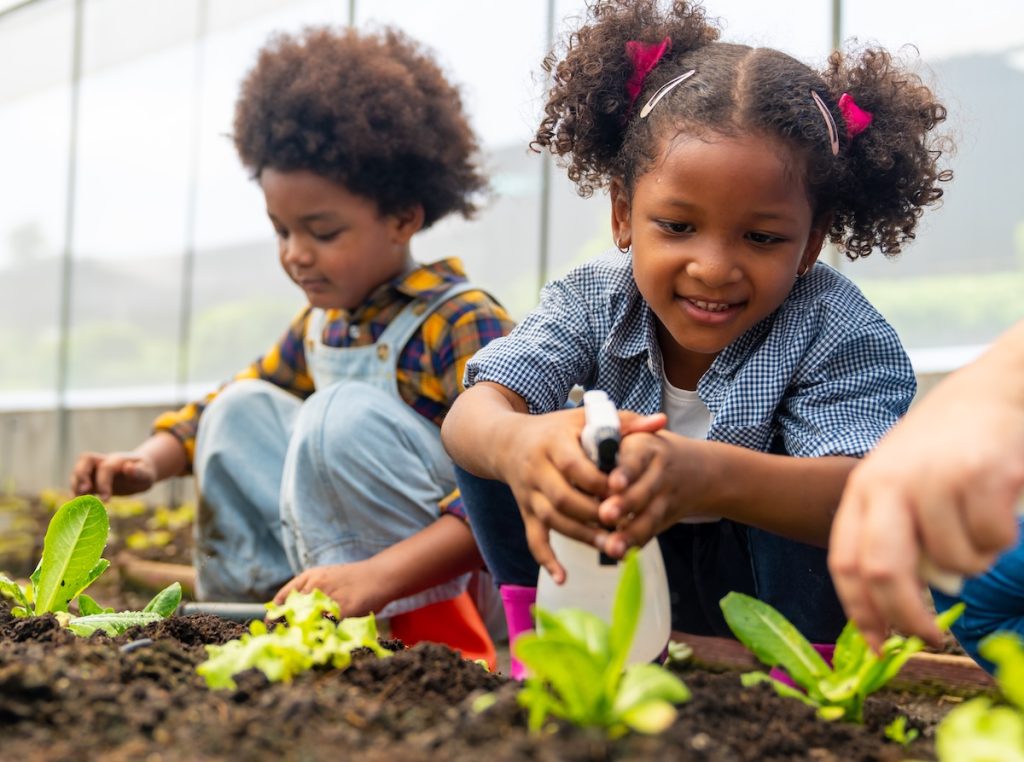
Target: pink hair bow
644, 56
857, 119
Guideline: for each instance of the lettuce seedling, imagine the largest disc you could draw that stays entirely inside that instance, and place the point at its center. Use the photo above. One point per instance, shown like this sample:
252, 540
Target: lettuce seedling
981, 730
898, 732
838, 691
306, 639
576, 666
71, 562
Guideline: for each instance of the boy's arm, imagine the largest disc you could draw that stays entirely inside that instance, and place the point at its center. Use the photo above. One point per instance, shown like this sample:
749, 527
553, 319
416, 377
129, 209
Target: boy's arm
440, 552
125, 473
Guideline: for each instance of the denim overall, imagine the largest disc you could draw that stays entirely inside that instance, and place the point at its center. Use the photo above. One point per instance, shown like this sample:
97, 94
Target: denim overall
287, 484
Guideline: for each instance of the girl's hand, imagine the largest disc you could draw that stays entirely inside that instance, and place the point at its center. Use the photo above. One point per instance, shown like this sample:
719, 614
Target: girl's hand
357, 587
554, 483
656, 483
116, 473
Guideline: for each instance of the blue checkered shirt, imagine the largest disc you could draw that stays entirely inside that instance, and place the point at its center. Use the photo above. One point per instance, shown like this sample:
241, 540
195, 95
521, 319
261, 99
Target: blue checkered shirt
824, 374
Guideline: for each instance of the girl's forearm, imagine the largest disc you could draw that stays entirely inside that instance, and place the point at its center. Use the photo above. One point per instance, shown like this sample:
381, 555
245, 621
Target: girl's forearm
792, 497
437, 554
477, 428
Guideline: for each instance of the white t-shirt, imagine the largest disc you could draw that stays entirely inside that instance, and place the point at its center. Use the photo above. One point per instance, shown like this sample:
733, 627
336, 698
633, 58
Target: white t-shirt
689, 417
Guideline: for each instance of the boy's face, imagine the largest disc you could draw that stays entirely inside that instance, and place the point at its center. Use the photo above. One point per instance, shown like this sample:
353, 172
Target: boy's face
719, 230
334, 244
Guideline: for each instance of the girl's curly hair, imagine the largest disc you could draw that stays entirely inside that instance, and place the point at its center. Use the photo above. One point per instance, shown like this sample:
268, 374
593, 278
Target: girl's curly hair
372, 112
875, 190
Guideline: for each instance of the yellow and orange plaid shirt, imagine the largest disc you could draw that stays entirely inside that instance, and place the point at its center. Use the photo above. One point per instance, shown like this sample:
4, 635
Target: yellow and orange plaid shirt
430, 367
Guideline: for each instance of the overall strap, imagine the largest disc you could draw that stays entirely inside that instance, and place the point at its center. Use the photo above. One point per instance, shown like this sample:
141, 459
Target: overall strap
400, 330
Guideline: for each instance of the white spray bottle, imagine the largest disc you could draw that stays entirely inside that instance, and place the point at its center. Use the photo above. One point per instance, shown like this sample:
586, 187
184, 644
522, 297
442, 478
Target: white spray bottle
592, 577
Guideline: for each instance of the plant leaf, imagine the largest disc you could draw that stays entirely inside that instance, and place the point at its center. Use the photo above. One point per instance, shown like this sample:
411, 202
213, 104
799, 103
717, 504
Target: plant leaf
72, 548
774, 640
11, 589
629, 597
112, 624
980, 732
748, 679
572, 673
644, 682
650, 716
576, 626
87, 606
1006, 651
165, 603
851, 650
945, 620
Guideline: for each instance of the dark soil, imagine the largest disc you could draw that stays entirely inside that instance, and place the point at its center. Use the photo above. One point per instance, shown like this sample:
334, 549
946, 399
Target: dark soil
138, 697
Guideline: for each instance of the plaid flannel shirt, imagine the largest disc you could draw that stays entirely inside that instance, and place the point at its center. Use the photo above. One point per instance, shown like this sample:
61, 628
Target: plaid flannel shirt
430, 367
824, 374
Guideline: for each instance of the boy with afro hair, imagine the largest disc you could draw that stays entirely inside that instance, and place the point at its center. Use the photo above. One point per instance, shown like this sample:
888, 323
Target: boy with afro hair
320, 465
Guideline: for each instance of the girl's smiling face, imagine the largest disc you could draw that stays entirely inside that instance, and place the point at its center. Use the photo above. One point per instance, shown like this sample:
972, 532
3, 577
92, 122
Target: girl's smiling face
334, 244
720, 228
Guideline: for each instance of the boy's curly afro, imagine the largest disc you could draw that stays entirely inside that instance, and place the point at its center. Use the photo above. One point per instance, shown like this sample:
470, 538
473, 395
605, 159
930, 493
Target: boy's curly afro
372, 112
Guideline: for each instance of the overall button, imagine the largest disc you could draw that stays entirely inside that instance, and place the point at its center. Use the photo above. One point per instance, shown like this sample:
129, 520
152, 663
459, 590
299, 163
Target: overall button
382, 351
419, 308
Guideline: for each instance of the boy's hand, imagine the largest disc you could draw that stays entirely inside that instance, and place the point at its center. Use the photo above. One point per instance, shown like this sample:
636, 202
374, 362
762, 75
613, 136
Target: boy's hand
116, 473
357, 587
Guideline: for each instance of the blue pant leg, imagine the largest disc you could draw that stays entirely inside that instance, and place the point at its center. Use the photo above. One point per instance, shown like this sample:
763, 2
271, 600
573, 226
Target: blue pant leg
240, 451
498, 528
794, 578
994, 603
363, 472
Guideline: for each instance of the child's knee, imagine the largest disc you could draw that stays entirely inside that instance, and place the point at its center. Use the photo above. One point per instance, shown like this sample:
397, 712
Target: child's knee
235, 403
351, 411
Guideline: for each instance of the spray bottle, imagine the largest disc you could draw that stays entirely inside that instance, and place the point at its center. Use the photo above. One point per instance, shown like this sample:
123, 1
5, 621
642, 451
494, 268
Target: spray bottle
592, 577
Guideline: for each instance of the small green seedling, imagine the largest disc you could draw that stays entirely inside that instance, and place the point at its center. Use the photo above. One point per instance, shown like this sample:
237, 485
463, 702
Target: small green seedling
306, 639
576, 668
71, 562
897, 731
981, 730
838, 691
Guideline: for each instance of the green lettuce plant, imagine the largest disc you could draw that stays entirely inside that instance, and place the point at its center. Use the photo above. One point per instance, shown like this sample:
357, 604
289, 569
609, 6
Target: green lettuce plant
982, 730
306, 638
577, 668
898, 732
838, 691
71, 561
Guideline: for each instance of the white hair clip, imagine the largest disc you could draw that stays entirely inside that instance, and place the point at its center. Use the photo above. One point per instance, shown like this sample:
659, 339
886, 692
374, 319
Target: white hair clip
830, 123
663, 91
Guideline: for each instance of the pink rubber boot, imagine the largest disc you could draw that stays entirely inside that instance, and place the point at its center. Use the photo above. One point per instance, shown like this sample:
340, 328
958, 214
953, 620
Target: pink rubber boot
517, 601
825, 649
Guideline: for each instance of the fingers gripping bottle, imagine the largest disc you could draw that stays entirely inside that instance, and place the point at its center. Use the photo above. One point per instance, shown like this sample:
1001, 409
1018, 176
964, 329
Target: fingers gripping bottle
592, 577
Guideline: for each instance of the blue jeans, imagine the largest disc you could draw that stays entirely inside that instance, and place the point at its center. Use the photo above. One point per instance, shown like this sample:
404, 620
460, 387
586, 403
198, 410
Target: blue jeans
286, 485
703, 563
994, 600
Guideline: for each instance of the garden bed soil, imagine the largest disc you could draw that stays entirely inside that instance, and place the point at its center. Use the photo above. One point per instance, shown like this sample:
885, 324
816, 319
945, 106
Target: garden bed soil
139, 697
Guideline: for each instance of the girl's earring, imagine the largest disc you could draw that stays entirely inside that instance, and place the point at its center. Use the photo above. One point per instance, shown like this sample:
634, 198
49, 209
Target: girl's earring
620, 247
802, 271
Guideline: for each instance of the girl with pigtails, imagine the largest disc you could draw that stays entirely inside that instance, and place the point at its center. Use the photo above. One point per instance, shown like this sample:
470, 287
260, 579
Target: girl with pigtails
750, 376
